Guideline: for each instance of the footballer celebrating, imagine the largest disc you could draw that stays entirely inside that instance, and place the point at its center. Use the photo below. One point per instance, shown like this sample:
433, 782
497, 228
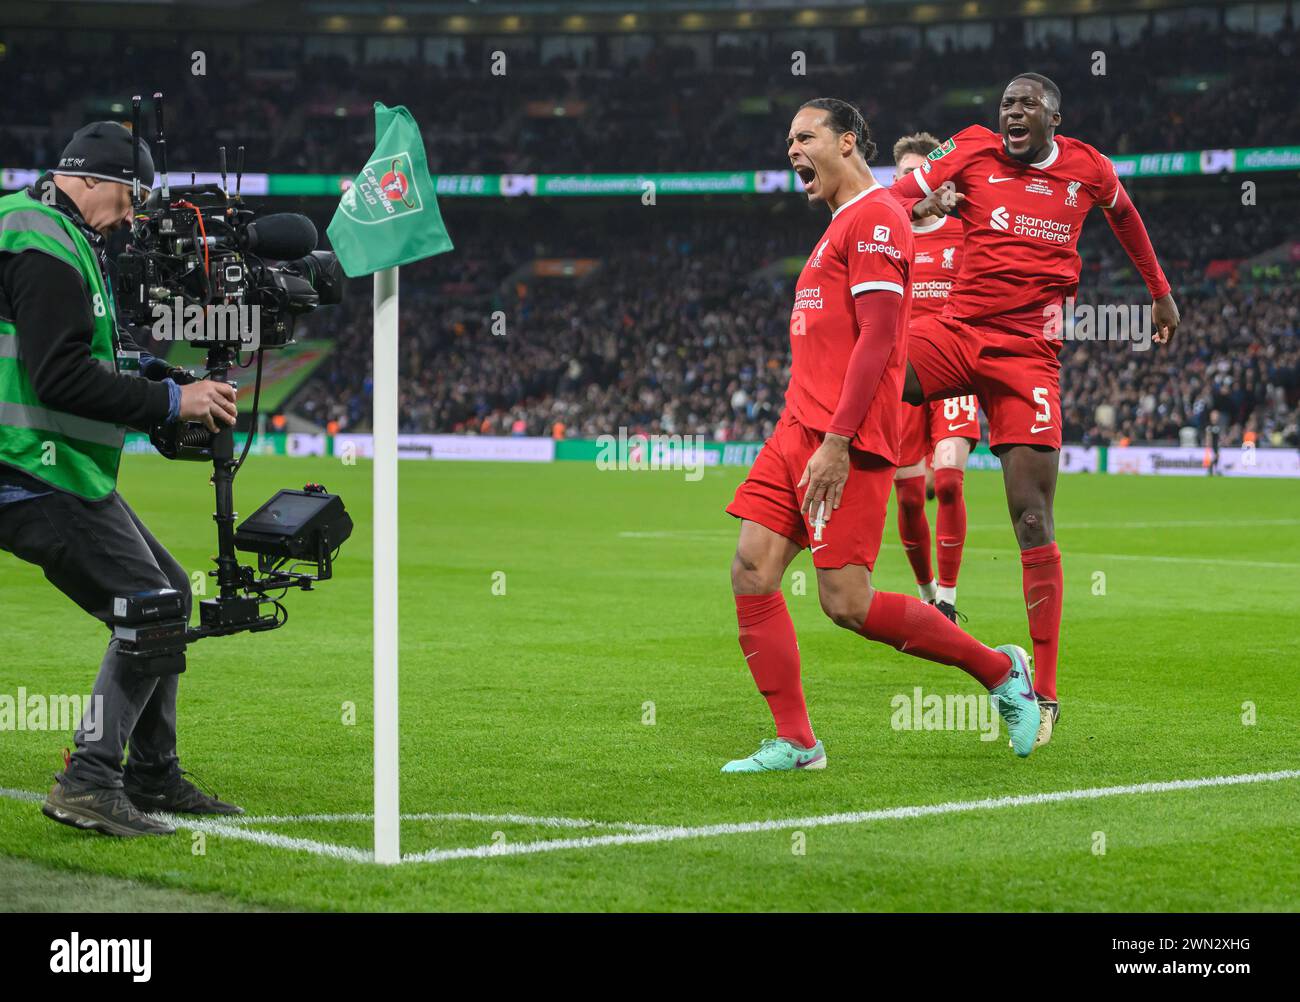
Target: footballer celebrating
822, 480
941, 433
1023, 194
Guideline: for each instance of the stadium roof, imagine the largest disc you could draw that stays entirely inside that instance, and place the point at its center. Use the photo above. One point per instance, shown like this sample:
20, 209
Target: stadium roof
551, 16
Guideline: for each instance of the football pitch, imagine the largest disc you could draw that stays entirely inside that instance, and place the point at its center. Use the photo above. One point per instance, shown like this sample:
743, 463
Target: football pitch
571, 684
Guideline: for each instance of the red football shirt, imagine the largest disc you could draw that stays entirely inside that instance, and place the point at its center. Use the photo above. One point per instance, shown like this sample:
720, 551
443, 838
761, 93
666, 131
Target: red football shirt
866, 247
1022, 223
937, 262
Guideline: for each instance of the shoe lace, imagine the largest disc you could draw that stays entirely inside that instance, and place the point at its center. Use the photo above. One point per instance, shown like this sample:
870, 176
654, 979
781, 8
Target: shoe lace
1010, 709
766, 744
198, 783
124, 807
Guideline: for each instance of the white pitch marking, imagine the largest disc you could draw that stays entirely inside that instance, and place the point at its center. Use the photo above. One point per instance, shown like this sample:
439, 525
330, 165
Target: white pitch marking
236, 826
1165, 524
20, 794
508, 819
1145, 558
272, 839
687, 534
651, 834
690, 534
229, 831
851, 818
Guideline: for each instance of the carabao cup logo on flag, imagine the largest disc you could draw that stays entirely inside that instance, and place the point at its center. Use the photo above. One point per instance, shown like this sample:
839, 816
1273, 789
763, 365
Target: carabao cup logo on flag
394, 188
385, 189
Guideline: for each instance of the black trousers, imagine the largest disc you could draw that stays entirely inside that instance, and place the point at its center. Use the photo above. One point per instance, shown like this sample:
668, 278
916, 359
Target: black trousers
92, 551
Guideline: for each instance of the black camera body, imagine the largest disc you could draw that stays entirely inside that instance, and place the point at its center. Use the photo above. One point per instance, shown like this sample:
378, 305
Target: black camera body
199, 261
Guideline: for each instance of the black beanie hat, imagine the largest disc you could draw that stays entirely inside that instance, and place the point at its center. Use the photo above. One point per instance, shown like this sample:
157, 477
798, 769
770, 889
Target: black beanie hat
103, 150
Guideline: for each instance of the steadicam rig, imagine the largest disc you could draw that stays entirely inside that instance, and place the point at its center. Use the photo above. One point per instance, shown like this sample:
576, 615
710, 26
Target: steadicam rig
204, 268
199, 248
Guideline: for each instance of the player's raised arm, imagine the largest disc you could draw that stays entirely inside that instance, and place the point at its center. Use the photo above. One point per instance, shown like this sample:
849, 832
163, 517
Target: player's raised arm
938, 201
932, 190
1126, 222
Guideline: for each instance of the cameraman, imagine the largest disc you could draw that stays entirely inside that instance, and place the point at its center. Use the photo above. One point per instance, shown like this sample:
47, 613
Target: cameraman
64, 406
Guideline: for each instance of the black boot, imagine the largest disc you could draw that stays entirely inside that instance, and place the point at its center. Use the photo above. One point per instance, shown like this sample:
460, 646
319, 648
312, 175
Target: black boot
175, 794
102, 809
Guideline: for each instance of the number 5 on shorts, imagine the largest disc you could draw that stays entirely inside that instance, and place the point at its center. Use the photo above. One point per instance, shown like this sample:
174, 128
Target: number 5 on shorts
1040, 397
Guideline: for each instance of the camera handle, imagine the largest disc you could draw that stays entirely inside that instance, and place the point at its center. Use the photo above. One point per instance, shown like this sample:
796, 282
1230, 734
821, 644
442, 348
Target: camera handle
220, 358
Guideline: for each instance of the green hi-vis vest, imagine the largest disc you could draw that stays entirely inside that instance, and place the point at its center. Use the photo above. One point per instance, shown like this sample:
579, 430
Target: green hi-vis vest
75, 454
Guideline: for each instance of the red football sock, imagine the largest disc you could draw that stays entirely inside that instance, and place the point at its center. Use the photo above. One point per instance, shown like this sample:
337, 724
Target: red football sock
768, 642
951, 528
1044, 588
921, 630
913, 527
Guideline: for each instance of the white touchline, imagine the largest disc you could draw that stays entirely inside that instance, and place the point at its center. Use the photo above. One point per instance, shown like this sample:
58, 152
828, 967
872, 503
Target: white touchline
507, 819
851, 818
642, 834
223, 829
1002, 528
20, 794
686, 535
1162, 524
1146, 558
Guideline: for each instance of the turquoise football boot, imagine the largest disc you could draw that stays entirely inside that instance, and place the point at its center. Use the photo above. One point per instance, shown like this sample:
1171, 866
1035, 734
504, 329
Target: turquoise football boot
780, 755
1017, 703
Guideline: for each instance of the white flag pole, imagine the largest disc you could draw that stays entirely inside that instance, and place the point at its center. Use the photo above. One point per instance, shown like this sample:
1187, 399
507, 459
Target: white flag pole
384, 429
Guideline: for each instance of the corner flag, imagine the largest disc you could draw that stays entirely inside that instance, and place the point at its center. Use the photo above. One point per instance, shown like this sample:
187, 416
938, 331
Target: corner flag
390, 214
388, 217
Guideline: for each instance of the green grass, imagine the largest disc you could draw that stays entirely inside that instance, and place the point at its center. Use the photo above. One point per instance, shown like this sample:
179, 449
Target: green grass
532, 703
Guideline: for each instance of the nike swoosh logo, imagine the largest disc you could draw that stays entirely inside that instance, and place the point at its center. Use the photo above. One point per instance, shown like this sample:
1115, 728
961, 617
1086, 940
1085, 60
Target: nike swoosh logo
1046, 427
808, 761
1029, 689
999, 180
954, 427
1038, 603
822, 547
944, 542
748, 656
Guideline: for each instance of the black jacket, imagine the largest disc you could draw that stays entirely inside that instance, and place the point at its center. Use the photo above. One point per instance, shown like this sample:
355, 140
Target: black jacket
51, 308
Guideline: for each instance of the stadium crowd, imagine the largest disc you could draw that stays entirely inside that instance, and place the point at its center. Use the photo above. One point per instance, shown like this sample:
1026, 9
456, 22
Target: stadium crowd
682, 325
1181, 85
684, 329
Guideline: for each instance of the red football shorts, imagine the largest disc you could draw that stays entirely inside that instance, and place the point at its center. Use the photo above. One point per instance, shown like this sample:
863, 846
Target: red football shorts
926, 426
1016, 378
769, 496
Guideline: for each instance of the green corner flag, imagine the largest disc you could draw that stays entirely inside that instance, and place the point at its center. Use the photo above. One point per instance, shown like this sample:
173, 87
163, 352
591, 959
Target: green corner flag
390, 214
